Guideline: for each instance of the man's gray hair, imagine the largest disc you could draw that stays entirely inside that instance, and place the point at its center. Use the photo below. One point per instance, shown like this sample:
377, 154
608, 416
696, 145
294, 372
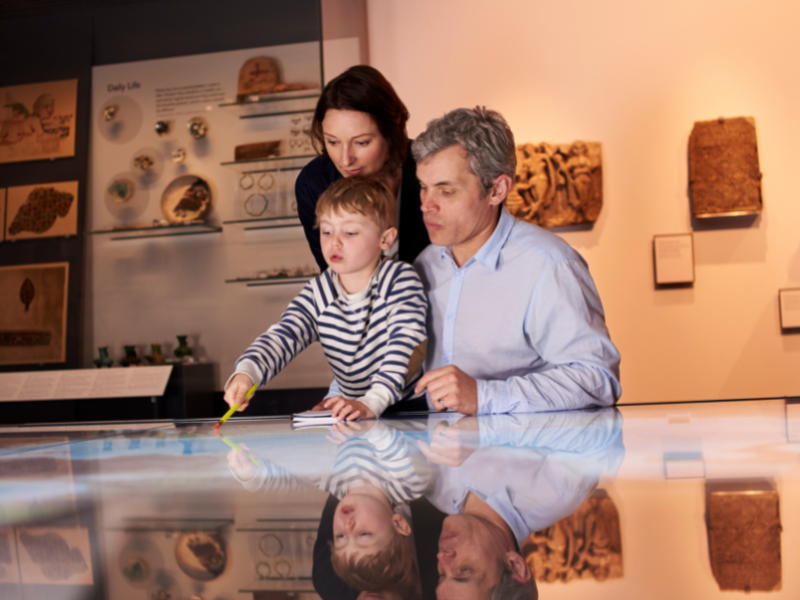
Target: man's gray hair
482, 133
509, 588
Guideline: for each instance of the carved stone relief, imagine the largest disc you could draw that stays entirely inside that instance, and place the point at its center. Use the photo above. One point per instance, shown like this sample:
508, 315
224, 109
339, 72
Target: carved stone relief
557, 184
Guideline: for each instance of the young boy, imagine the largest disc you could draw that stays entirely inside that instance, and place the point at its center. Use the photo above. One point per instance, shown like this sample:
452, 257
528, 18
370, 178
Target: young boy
368, 312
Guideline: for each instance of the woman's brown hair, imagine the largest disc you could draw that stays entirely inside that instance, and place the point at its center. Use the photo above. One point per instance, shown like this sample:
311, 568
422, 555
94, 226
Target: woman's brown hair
364, 89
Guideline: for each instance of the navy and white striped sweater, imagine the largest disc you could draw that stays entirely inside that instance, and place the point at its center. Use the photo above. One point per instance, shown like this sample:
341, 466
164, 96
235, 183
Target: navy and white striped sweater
368, 337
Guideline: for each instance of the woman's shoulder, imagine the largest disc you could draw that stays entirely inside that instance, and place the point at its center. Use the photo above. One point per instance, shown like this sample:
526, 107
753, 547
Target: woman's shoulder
318, 174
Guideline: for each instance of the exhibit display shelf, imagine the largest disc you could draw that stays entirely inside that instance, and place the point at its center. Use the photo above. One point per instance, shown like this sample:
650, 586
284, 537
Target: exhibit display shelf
282, 103
156, 231
267, 222
264, 281
264, 165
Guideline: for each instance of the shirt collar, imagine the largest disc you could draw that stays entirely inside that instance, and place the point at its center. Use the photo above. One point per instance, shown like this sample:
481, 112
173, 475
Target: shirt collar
489, 253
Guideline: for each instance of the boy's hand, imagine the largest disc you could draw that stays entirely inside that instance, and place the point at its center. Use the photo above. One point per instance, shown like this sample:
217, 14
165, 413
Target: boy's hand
451, 445
450, 387
237, 389
341, 432
240, 463
342, 408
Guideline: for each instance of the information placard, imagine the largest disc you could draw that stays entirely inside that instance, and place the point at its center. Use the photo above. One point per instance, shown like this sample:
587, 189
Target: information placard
674, 258
789, 300
80, 384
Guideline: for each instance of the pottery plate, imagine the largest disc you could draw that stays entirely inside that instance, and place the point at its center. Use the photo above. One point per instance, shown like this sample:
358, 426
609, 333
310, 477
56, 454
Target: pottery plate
187, 198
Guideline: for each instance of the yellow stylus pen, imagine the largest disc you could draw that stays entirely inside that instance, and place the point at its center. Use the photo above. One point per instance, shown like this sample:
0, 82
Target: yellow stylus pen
233, 408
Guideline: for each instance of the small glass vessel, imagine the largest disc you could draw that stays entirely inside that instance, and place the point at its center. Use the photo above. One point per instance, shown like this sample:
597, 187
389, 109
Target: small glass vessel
131, 357
105, 360
183, 350
156, 358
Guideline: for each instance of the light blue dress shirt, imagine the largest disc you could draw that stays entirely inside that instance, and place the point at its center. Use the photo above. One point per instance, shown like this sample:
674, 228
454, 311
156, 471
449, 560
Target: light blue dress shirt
522, 317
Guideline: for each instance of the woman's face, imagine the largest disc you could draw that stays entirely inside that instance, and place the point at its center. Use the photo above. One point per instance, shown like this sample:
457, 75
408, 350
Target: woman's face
354, 142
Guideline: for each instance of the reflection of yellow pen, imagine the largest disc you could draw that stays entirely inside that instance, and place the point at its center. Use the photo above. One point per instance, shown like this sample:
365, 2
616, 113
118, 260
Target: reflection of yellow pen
238, 448
233, 408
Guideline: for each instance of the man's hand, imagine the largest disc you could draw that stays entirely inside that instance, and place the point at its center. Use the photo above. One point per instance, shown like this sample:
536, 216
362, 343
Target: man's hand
237, 389
450, 387
342, 408
451, 445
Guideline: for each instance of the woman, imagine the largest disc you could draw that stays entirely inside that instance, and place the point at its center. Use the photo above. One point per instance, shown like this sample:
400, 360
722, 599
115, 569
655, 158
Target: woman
359, 127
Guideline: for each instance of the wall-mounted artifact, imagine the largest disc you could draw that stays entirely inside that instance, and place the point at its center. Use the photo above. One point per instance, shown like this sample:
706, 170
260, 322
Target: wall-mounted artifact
104, 360
147, 165
257, 151
33, 313
197, 127
744, 535
121, 190
587, 544
38, 120
201, 555
183, 351
131, 358
37, 211
143, 162
557, 184
186, 199
789, 304
162, 127
119, 119
724, 176
260, 76
178, 155
136, 570
125, 198
156, 357
300, 135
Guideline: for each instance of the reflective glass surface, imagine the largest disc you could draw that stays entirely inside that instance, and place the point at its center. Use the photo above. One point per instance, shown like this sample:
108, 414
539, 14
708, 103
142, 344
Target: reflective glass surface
661, 501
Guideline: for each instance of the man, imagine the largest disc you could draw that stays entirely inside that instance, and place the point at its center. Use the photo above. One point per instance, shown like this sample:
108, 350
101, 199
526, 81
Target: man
501, 478
515, 322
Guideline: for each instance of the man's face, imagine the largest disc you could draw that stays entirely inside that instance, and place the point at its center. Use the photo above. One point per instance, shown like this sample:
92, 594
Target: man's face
362, 526
456, 208
469, 559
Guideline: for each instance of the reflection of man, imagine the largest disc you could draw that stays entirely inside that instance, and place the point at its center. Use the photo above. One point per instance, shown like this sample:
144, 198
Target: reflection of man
500, 479
515, 321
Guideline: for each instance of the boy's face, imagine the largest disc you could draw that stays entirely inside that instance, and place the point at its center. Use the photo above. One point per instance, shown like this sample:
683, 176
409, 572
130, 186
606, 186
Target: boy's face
352, 245
363, 526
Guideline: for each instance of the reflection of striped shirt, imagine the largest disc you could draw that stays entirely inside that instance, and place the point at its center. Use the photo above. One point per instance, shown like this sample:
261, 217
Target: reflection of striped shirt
368, 337
383, 457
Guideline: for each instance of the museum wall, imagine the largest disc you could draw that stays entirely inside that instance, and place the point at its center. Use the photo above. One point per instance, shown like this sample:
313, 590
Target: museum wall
636, 76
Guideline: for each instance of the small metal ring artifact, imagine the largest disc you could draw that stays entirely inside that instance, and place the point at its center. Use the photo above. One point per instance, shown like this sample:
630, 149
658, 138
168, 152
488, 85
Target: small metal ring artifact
249, 178
271, 181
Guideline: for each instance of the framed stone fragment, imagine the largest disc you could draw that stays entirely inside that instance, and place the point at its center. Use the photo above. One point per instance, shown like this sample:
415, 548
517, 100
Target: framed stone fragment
33, 313
43, 210
38, 120
744, 535
789, 302
557, 184
57, 555
724, 175
674, 258
585, 545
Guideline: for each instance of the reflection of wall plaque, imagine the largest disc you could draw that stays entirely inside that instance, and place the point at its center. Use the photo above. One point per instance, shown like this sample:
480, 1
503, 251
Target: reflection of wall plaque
744, 536
724, 177
557, 184
587, 544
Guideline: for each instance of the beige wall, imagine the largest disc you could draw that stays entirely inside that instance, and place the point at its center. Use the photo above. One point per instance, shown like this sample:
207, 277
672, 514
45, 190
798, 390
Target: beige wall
635, 76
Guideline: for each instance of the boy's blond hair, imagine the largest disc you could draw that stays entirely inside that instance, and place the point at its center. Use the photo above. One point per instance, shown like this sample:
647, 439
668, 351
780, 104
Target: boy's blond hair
362, 194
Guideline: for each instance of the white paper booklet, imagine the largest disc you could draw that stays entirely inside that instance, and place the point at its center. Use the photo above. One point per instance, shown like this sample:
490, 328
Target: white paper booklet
313, 418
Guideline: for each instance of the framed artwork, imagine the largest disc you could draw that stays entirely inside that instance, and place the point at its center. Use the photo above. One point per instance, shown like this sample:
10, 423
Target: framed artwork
46, 210
674, 258
37, 121
789, 301
33, 313
54, 555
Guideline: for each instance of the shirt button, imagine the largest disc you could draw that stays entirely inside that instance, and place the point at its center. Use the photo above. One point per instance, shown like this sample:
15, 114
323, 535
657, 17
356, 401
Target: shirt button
450, 317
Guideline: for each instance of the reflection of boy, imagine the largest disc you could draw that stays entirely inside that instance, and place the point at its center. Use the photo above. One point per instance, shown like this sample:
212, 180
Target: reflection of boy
375, 477
369, 314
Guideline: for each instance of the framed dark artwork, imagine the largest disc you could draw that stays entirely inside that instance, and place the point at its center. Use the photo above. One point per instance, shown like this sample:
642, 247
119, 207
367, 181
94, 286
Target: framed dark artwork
33, 313
724, 175
557, 184
37, 120
38, 211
